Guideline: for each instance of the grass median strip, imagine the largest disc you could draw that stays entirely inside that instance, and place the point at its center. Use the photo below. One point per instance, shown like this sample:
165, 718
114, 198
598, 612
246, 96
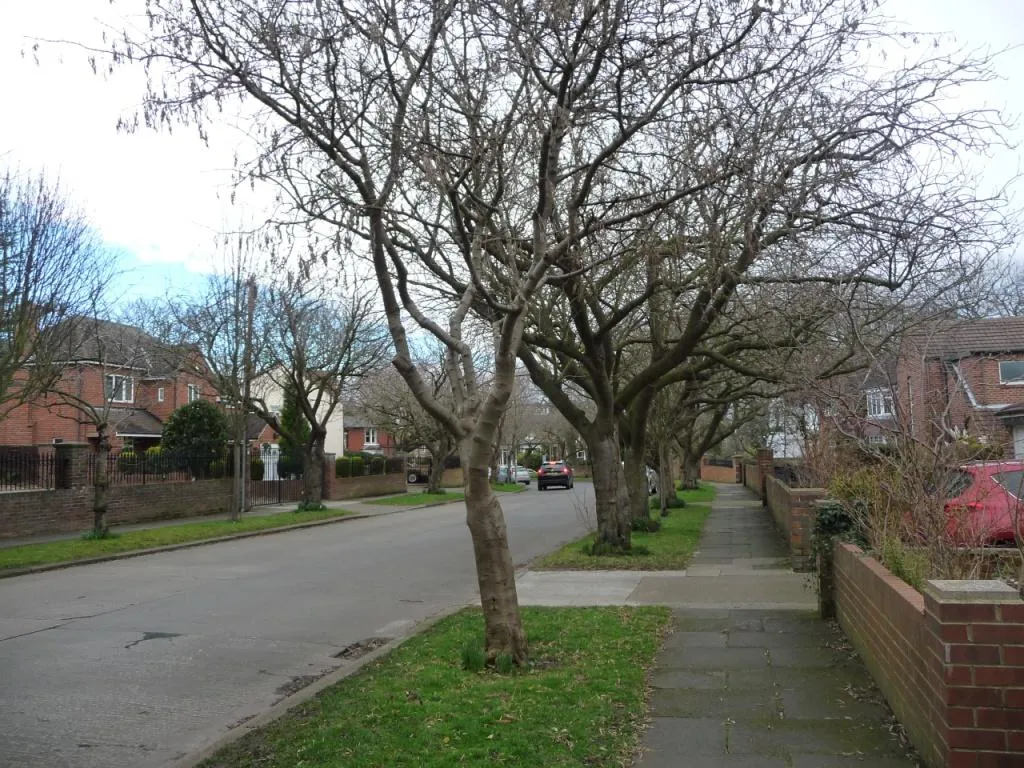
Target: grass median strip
579, 703
667, 550
410, 499
82, 549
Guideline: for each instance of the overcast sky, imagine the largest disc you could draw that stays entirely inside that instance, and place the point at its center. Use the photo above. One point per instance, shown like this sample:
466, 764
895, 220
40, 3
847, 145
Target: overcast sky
159, 198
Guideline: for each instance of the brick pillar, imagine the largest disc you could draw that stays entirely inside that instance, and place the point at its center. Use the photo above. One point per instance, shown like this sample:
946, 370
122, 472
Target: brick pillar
737, 465
328, 492
976, 633
72, 470
765, 467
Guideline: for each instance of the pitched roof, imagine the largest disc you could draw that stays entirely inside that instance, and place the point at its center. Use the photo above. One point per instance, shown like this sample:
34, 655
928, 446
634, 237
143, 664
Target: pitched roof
136, 423
966, 337
117, 344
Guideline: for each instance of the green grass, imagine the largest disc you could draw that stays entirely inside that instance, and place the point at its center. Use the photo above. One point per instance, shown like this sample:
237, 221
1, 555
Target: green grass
580, 704
410, 499
667, 550
81, 549
508, 487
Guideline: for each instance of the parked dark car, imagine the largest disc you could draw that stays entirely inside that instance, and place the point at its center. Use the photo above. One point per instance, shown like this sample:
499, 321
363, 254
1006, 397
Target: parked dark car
554, 473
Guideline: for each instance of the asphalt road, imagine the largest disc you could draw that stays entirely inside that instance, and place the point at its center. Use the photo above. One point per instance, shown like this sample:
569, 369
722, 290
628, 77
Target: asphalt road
141, 661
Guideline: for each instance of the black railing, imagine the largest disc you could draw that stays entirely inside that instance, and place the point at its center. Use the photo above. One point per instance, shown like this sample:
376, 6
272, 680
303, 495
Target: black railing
128, 468
360, 466
27, 468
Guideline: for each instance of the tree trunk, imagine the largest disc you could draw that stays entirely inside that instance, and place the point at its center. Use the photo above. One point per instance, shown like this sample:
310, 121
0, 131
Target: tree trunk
100, 482
613, 530
313, 459
238, 475
436, 471
635, 474
691, 473
666, 483
495, 572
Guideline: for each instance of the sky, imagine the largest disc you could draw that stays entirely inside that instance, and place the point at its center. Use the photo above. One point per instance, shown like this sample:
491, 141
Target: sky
158, 200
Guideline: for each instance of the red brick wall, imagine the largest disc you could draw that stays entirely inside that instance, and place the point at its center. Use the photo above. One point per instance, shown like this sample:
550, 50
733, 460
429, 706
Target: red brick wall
793, 510
715, 474
752, 477
370, 485
28, 513
950, 663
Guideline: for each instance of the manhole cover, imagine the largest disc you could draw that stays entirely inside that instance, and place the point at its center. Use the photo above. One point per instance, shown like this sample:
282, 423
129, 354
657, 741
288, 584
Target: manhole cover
361, 648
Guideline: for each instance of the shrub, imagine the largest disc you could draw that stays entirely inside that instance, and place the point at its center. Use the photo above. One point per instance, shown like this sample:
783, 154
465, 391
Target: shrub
256, 469
217, 468
343, 467
289, 465
357, 466
127, 462
199, 428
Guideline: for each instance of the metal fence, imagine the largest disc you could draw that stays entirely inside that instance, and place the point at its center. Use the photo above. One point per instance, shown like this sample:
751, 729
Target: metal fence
361, 466
27, 468
128, 468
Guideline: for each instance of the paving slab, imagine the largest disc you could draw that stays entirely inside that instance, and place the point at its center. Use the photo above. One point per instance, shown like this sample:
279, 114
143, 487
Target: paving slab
750, 677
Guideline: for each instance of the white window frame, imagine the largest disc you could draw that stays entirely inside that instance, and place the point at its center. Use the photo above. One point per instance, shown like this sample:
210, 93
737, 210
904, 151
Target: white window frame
193, 393
159, 394
879, 403
1010, 382
370, 436
115, 384
877, 440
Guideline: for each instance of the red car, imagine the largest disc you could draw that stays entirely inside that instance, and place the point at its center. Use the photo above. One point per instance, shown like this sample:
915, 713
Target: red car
988, 502
554, 473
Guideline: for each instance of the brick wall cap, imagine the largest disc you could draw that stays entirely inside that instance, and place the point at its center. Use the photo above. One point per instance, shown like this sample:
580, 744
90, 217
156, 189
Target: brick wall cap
971, 591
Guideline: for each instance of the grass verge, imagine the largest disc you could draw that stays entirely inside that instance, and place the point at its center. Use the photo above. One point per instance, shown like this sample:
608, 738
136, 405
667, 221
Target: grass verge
82, 549
410, 499
580, 703
667, 550
508, 487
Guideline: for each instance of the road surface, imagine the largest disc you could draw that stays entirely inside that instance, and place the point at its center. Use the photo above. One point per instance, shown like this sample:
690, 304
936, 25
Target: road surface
141, 661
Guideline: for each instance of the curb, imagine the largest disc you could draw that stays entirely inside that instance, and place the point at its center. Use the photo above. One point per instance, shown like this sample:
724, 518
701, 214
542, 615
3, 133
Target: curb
10, 573
300, 697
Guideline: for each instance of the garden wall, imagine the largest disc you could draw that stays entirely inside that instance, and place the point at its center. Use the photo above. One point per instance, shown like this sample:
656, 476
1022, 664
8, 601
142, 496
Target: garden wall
793, 511
368, 485
28, 513
950, 662
716, 473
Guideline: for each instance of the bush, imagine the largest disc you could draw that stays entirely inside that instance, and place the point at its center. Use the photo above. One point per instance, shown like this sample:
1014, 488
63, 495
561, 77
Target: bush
256, 469
343, 467
531, 460
197, 428
127, 462
217, 468
288, 466
356, 465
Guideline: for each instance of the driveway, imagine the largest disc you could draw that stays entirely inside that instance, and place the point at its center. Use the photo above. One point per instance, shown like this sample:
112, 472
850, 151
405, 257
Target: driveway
141, 661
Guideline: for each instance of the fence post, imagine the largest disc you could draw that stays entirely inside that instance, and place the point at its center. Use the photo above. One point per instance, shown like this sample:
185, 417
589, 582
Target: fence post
72, 468
765, 467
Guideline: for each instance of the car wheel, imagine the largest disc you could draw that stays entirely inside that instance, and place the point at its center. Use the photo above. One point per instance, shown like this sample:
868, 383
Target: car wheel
412, 478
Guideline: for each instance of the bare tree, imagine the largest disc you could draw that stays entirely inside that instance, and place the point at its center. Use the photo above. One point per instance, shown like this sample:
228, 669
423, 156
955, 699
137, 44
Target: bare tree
317, 346
52, 272
387, 401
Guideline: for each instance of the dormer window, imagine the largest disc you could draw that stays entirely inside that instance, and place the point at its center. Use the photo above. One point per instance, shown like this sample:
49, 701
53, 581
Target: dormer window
1011, 372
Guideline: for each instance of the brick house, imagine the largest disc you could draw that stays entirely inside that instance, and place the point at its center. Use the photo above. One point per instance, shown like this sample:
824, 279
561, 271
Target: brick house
362, 435
965, 378
142, 379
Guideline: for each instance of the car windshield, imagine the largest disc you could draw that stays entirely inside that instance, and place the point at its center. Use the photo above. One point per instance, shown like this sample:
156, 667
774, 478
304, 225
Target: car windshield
1012, 481
953, 483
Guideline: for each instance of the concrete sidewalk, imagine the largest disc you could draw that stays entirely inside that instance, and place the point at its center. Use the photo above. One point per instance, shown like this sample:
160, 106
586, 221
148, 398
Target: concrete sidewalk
749, 676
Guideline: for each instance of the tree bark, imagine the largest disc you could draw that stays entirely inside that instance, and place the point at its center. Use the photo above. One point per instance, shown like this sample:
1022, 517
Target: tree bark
634, 471
100, 482
691, 473
436, 471
238, 475
313, 459
494, 568
666, 483
613, 530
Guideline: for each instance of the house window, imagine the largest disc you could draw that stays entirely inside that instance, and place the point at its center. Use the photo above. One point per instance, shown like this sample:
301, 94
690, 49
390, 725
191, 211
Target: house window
876, 439
120, 389
1011, 372
193, 393
159, 394
879, 403
370, 436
